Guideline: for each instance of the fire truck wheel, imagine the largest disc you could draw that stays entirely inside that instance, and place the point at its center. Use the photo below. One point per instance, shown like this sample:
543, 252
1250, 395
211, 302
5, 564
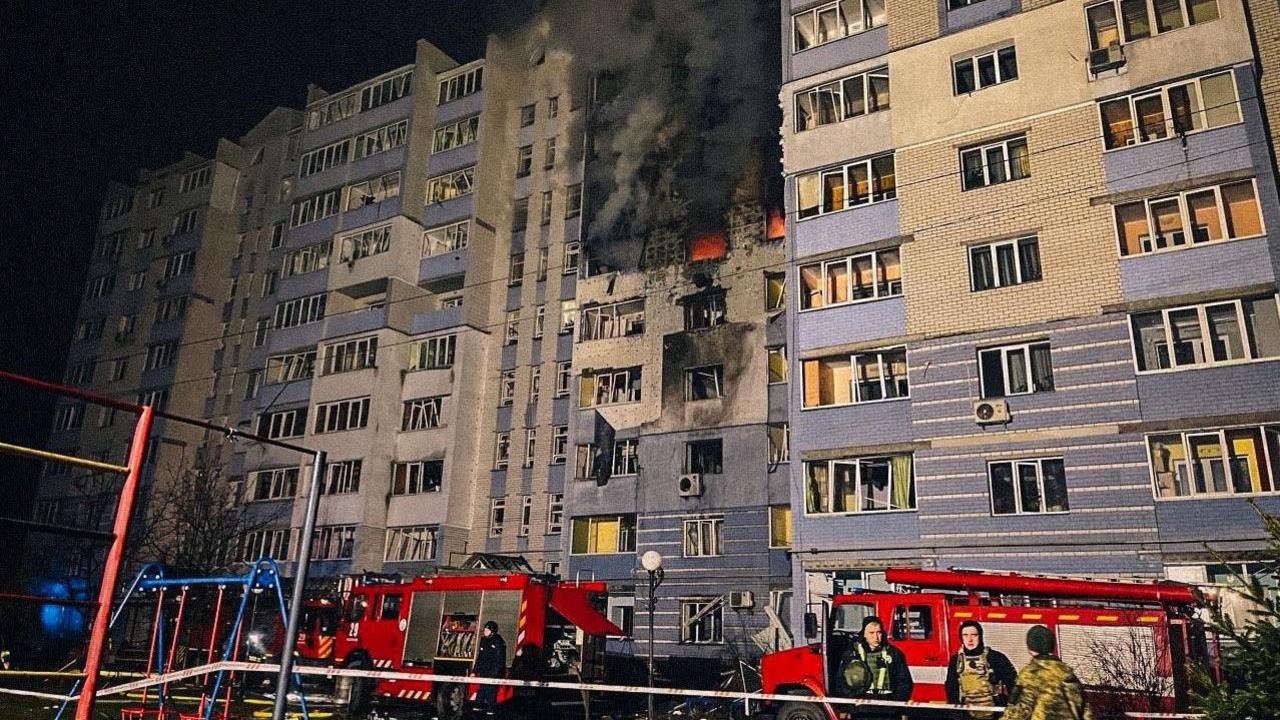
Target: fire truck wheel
799, 711
451, 701
361, 689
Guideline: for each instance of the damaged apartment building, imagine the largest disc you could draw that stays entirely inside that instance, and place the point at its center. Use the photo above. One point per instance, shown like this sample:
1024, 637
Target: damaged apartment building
396, 275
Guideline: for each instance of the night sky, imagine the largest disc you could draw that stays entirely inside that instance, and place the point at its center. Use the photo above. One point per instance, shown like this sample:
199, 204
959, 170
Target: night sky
95, 91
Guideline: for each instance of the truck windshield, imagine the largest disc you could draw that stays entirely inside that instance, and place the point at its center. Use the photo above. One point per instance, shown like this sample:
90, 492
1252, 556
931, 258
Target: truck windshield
848, 618
355, 610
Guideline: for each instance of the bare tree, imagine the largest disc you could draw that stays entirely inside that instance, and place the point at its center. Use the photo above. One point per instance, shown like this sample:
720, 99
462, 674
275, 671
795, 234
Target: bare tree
1126, 663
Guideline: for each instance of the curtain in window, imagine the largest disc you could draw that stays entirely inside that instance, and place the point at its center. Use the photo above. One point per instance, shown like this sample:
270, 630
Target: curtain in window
1041, 367
982, 269
904, 495
1029, 258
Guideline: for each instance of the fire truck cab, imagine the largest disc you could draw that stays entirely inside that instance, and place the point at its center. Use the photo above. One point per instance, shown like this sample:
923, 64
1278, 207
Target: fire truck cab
1112, 633
552, 629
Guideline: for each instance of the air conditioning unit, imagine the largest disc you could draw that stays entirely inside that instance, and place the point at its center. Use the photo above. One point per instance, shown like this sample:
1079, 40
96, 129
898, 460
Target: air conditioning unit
742, 600
690, 485
987, 412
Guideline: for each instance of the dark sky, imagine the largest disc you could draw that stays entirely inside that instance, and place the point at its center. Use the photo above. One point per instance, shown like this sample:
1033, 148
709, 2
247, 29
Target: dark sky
94, 91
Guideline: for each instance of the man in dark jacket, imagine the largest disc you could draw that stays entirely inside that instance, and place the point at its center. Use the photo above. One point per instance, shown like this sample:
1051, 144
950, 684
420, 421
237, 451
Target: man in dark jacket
875, 670
977, 674
491, 662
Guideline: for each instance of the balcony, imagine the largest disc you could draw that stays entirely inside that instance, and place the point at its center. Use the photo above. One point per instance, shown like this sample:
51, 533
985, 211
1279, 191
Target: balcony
1106, 59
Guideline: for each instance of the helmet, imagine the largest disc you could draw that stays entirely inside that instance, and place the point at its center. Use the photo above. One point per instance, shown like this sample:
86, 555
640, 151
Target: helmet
856, 675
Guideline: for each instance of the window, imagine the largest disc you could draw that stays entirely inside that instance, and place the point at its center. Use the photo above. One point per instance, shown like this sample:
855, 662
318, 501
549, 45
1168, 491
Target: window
497, 515
779, 442
417, 542
454, 301
146, 238
864, 377
549, 155
842, 99
110, 247
704, 383
1004, 263
702, 621
544, 259
307, 259
836, 189
704, 310
609, 387
573, 200
506, 387
118, 368
277, 235
385, 91
332, 111
68, 417
322, 159
81, 373
155, 198
184, 222
526, 515
527, 115
283, 424
704, 457
260, 332
524, 161
775, 292
316, 207
125, 326
457, 134
433, 353
779, 526
985, 70
603, 535
333, 542
535, 383
448, 238
300, 311
1185, 107
999, 162
270, 281
274, 484
197, 178
118, 206
502, 452
555, 513
870, 276
291, 366
417, 477
553, 106
179, 264
450, 185
1015, 370
373, 190
545, 213
568, 316
171, 308
572, 250
615, 320
342, 415
90, 329
559, 444
1202, 335
342, 477
157, 398
519, 215
265, 543
101, 286
1137, 18
869, 484
833, 21
564, 375
515, 270
422, 413
1028, 486
626, 457
1218, 212
1230, 461
704, 537
350, 355
530, 445
161, 355
462, 85
778, 368
381, 139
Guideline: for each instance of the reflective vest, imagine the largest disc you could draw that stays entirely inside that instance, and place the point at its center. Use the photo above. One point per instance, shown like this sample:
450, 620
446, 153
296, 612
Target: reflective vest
877, 662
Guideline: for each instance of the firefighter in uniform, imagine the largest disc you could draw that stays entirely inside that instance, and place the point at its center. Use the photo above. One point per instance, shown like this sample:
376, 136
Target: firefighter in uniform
1047, 688
491, 662
875, 670
977, 674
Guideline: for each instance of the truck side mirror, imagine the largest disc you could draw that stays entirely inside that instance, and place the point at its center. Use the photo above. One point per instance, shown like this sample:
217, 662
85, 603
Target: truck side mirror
810, 625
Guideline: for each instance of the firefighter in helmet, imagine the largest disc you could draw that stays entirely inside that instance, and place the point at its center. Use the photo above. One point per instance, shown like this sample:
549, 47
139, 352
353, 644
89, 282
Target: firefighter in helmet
1047, 688
491, 662
875, 670
977, 674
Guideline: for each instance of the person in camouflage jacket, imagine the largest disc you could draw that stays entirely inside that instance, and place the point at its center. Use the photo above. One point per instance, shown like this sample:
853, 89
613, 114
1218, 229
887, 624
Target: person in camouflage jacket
1047, 688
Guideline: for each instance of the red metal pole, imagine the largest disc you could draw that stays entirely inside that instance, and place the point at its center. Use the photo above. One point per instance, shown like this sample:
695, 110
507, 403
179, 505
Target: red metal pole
213, 634
173, 644
155, 635
111, 569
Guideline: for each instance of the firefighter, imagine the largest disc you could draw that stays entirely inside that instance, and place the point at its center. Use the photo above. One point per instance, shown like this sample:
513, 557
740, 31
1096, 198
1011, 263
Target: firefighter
1047, 688
491, 662
977, 674
875, 670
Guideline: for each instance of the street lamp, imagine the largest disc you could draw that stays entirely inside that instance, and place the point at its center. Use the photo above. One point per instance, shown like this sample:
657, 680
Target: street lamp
651, 561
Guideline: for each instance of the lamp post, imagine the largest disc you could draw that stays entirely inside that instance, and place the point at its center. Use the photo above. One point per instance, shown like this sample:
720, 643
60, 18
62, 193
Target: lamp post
651, 561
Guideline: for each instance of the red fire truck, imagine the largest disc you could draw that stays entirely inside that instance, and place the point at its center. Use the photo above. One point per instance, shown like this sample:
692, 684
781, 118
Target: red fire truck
554, 630
1130, 643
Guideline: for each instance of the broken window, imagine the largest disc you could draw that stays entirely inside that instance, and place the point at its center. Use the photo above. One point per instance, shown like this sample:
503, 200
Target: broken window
1015, 370
842, 99
1221, 462
321, 159
704, 383
411, 543
869, 484
524, 161
507, 387
373, 191
422, 413
702, 620
447, 238
450, 185
778, 368
626, 457
615, 320
1201, 335
609, 387
779, 442
704, 456
705, 310
456, 134
603, 534
704, 537
1028, 486
833, 21
502, 451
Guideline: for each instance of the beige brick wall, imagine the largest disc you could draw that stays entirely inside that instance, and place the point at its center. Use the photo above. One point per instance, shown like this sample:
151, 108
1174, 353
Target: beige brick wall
1077, 245
912, 21
1266, 29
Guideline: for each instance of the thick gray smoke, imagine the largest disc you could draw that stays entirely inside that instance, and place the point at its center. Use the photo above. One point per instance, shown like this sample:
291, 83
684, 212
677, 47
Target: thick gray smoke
686, 109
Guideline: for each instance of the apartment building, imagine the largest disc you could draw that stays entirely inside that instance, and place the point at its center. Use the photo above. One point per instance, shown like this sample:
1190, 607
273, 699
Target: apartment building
1035, 322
